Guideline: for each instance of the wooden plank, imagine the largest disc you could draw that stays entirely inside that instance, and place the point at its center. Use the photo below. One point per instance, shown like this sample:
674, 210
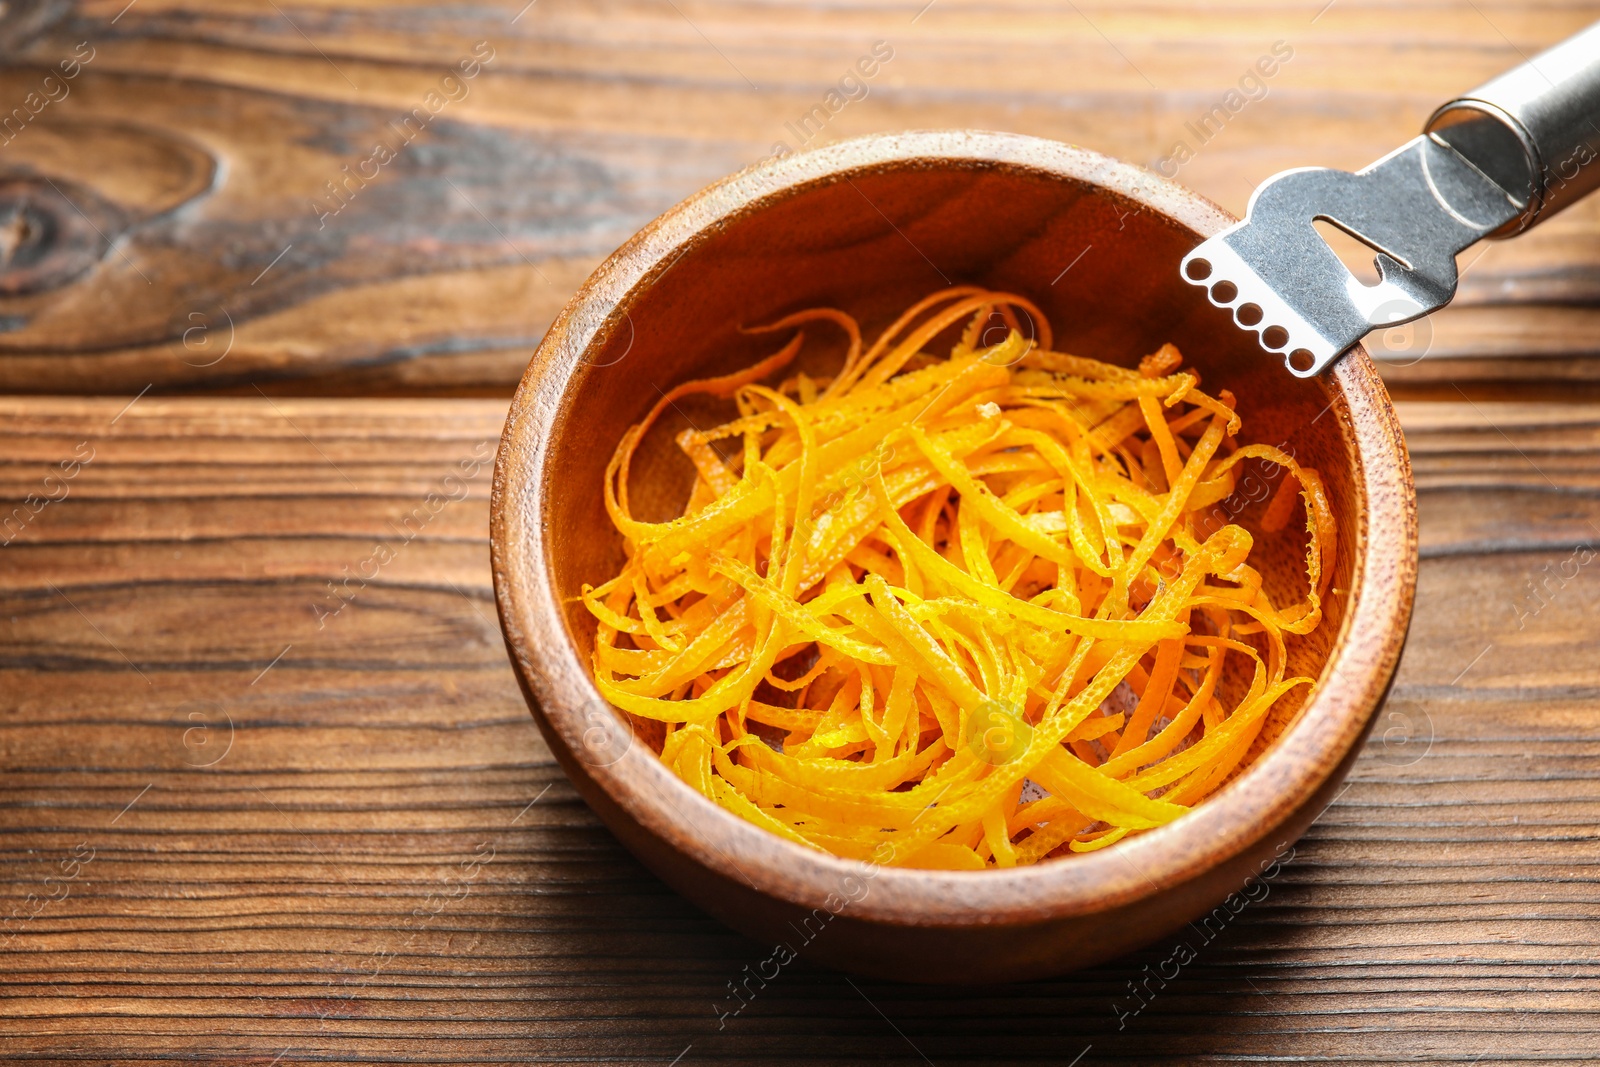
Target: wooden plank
174, 184
359, 850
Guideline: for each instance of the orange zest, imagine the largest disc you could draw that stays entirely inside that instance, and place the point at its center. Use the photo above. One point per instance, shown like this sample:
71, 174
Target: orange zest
962, 612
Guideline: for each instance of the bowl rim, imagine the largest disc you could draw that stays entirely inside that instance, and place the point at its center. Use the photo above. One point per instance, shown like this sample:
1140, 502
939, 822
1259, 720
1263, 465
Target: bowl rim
1246, 811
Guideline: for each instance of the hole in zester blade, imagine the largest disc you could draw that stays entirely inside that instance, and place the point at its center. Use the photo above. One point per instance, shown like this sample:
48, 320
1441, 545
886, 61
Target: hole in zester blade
1359, 255
1224, 292
1302, 360
1249, 314
1198, 269
1275, 337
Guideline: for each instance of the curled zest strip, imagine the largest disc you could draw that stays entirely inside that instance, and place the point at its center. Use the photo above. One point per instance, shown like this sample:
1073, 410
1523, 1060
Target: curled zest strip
961, 611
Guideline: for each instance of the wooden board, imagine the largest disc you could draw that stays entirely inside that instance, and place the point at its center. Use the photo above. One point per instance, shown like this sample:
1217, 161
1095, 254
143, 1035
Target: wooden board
250, 816
280, 835
177, 227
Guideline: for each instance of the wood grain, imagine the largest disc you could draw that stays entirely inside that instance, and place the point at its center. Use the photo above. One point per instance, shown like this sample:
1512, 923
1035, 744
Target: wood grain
162, 229
265, 907
1443, 910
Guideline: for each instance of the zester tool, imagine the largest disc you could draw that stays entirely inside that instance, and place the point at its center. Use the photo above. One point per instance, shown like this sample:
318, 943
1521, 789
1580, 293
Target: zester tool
1490, 163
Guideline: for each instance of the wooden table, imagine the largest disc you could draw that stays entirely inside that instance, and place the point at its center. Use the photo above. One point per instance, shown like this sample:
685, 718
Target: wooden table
263, 802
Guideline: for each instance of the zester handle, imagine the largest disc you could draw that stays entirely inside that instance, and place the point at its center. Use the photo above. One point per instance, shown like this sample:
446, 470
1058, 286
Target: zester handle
1535, 130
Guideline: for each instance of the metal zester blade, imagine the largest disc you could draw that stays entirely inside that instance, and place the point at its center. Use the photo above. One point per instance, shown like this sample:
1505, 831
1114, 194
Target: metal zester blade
1490, 163
1418, 207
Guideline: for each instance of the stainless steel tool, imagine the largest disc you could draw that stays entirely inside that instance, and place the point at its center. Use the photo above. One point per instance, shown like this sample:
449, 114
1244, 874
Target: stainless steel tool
1490, 163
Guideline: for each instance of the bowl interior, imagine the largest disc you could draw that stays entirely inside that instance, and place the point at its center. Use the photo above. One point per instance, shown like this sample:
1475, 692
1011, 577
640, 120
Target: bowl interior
871, 242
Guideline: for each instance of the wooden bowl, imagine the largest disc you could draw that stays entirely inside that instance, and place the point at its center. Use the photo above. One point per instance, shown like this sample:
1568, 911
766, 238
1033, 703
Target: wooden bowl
871, 225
